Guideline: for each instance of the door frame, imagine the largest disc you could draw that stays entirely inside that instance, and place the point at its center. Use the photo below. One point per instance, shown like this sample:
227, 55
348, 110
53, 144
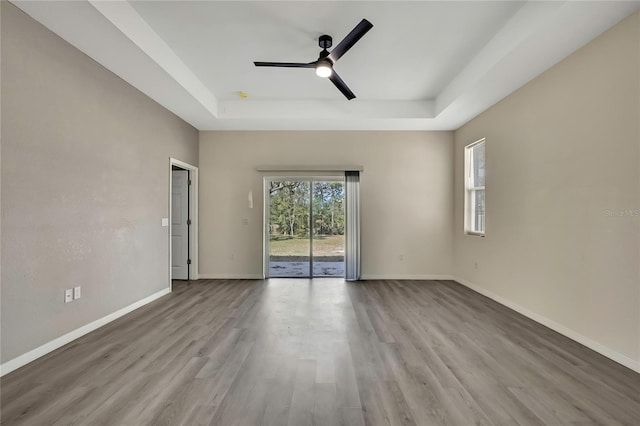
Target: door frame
193, 213
266, 212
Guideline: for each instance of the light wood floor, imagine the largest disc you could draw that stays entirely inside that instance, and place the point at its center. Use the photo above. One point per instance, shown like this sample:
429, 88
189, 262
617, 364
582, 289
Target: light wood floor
326, 352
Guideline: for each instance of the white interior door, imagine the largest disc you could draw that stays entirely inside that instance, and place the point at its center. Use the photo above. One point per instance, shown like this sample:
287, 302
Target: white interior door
179, 224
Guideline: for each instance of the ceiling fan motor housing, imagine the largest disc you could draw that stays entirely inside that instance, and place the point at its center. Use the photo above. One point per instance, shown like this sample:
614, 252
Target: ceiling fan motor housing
325, 41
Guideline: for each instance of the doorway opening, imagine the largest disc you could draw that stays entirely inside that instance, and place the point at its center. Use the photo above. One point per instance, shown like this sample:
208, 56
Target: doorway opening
305, 227
182, 221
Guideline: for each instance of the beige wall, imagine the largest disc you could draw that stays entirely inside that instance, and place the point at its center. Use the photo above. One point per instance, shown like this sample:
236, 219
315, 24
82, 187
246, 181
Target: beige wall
563, 154
85, 162
406, 193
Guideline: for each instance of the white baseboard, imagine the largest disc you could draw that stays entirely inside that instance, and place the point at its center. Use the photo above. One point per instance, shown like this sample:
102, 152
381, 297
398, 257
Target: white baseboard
406, 277
565, 331
40, 351
231, 277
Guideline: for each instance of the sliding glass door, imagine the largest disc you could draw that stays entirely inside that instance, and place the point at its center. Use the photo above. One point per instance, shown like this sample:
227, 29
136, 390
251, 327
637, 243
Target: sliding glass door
327, 238
288, 243
305, 228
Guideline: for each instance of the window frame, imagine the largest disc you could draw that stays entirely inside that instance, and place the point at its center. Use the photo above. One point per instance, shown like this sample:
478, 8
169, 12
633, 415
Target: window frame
470, 191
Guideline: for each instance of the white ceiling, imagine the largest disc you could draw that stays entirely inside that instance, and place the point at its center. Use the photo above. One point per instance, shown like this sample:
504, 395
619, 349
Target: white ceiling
424, 65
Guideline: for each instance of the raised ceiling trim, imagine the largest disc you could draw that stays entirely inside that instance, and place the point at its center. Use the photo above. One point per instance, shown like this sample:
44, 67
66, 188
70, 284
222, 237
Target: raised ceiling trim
338, 109
537, 36
124, 17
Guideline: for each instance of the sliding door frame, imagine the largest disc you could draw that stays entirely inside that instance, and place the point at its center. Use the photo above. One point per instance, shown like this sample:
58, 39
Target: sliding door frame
267, 215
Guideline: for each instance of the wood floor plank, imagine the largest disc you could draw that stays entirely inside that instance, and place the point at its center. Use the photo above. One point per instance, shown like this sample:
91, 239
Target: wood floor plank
321, 352
278, 401
303, 399
325, 408
347, 391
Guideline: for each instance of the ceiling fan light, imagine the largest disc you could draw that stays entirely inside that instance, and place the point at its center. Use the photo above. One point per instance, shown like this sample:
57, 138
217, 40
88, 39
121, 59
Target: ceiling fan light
323, 69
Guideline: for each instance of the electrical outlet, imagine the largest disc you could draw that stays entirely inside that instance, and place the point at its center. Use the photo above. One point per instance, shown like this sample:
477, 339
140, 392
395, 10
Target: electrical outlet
475, 265
68, 295
401, 257
76, 293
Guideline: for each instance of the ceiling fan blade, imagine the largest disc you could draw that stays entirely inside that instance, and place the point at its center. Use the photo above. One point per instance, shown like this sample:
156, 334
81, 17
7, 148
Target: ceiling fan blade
347, 43
341, 85
285, 64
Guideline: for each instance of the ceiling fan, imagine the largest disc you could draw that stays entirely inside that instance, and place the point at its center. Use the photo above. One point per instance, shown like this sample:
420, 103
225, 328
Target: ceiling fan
324, 64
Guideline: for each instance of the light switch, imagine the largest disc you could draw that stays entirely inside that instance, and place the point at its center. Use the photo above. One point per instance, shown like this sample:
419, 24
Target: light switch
165, 221
76, 293
68, 295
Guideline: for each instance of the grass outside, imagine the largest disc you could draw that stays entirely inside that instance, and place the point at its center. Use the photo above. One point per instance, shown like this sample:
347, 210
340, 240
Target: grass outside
323, 246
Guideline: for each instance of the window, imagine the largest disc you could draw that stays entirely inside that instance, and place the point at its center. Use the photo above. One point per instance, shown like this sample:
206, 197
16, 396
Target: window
474, 184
